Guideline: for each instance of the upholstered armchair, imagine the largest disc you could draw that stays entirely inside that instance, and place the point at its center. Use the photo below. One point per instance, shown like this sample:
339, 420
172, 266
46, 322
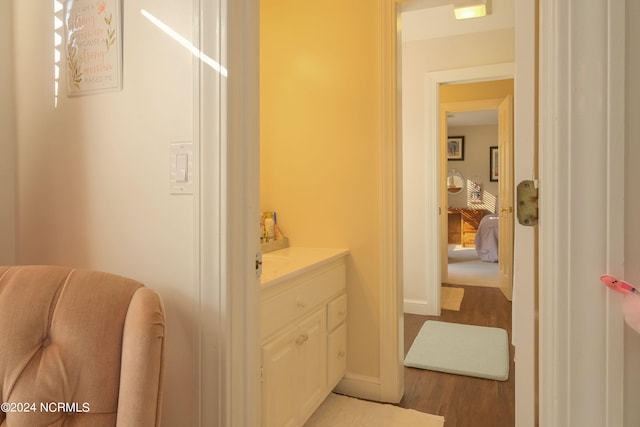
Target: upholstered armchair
78, 348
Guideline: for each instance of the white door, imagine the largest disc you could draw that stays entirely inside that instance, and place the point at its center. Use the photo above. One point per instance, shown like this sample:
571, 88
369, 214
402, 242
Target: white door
505, 195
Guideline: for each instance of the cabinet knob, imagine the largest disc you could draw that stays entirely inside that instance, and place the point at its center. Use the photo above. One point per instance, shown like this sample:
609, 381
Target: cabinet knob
341, 353
302, 339
300, 303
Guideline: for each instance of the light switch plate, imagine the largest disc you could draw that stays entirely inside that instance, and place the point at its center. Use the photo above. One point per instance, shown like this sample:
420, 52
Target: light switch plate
181, 168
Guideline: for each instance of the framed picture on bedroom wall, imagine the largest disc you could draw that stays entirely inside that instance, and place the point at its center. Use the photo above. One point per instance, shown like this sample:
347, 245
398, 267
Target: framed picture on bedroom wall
455, 148
494, 162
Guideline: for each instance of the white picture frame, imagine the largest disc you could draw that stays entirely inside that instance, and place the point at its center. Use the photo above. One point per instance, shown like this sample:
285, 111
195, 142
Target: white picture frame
93, 46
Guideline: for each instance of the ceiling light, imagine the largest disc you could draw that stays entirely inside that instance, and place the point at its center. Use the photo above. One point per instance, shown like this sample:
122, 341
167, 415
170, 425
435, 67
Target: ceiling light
470, 9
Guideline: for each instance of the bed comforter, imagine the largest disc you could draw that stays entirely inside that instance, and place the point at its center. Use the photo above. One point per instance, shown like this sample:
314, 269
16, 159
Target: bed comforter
487, 238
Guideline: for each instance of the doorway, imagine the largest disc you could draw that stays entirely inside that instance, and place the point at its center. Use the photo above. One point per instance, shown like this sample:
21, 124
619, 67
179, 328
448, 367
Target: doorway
423, 173
472, 192
389, 300
492, 171
424, 214
477, 302
556, 404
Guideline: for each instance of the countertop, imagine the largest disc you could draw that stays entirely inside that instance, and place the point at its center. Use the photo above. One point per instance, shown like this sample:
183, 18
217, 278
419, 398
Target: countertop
285, 264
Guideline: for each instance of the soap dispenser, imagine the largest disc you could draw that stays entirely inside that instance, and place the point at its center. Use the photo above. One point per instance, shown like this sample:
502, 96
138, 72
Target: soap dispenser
269, 225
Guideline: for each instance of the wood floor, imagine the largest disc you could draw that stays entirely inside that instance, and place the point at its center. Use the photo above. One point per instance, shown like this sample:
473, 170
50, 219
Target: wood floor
463, 401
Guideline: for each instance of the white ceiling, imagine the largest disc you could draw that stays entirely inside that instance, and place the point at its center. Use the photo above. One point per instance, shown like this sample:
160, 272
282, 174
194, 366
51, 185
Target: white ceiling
430, 19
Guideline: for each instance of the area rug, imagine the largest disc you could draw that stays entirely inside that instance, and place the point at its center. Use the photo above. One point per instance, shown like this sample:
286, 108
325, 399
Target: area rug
476, 351
343, 411
451, 298
466, 268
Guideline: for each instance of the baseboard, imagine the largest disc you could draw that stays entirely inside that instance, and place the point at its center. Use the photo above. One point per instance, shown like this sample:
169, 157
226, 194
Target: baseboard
360, 386
417, 307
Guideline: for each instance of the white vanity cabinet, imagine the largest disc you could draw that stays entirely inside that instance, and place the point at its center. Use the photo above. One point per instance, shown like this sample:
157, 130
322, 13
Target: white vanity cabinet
294, 379
304, 339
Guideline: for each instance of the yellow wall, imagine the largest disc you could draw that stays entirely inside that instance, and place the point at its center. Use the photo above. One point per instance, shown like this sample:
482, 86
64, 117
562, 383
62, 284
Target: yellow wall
319, 114
476, 91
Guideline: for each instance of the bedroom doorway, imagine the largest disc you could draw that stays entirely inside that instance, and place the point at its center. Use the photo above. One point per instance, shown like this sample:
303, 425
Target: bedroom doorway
472, 194
474, 185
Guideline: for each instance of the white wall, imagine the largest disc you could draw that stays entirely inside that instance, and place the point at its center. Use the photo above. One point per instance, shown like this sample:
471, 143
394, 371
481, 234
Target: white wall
477, 140
7, 138
93, 173
418, 59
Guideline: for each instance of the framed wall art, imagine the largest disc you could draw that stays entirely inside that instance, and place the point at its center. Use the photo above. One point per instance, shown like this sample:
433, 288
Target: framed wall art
494, 163
455, 148
93, 45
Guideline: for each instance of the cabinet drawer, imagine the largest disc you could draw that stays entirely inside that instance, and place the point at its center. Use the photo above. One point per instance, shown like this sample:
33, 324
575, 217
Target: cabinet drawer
336, 312
336, 355
283, 308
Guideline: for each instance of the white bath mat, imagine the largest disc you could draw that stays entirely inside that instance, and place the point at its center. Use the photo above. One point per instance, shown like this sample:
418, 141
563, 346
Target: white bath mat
476, 351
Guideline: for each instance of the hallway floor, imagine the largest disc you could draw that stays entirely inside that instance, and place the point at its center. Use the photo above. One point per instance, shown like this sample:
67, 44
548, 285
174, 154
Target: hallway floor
463, 401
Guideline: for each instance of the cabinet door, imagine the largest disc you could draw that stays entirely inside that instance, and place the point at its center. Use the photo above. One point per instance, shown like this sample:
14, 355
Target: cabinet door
280, 364
312, 345
337, 355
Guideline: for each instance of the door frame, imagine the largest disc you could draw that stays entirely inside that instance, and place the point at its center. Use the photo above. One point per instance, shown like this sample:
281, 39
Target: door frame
232, 209
238, 394
466, 106
581, 325
436, 207
563, 31
227, 199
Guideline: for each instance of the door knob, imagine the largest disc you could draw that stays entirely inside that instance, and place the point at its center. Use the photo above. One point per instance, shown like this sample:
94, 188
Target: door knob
509, 209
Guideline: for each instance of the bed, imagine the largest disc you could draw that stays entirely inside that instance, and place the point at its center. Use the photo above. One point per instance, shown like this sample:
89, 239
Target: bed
487, 238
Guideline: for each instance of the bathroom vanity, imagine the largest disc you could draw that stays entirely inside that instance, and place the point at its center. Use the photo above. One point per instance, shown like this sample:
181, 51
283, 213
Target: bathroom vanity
303, 331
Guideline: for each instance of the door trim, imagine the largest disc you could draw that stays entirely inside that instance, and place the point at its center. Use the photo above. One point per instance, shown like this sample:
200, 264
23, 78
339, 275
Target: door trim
228, 352
389, 385
464, 106
581, 324
391, 349
433, 81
